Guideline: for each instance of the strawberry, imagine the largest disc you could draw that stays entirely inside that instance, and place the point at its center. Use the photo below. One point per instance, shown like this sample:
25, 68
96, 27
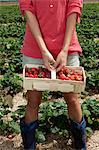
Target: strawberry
79, 78
48, 74
80, 73
35, 76
67, 71
33, 69
29, 70
72, 77
72, 72
62, 77
63, 69
67, 78
31, 75
59, 73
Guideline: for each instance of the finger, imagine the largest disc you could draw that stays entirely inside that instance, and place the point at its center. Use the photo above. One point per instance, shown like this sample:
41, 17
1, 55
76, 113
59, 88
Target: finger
52, 67
52, 62
57, 63
48, 67
59, 68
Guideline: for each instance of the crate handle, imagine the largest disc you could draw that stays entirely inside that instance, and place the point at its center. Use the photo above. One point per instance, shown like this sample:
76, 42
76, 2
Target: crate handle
53, 74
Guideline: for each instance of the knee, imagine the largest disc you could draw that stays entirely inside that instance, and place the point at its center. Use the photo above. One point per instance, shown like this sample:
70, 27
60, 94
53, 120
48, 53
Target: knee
33, 99
71, 98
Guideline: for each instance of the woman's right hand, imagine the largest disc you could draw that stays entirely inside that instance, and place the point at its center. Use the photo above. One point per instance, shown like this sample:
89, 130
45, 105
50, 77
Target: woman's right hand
48, 60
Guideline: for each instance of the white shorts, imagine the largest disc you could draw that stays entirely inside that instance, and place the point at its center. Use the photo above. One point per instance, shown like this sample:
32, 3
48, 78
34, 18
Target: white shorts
72, 60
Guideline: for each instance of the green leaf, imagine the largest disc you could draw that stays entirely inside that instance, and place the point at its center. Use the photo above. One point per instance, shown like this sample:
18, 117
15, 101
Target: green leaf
14, 126
55, 130
90, 121
40, 136
89, 131
86, 112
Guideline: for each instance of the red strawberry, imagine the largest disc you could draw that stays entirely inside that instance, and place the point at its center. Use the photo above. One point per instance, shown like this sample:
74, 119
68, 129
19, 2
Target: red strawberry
80, 73
68, 78
73, 71
35, 76
63, 69
33, 69
62, 77
29, 70
67, 71
59, 73
79, 78
72, 77
48, 74
31, 75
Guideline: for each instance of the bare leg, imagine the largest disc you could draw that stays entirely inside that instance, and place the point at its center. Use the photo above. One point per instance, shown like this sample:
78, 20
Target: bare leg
74, 108
34, 100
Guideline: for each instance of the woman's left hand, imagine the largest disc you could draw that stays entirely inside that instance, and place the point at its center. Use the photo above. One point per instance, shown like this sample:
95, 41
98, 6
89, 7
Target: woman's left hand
61, 60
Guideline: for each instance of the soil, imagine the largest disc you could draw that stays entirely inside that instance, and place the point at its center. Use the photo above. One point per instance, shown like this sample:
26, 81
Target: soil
53, 143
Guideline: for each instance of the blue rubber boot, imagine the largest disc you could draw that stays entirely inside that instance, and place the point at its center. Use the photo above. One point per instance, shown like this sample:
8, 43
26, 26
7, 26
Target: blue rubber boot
28, 134
79, 134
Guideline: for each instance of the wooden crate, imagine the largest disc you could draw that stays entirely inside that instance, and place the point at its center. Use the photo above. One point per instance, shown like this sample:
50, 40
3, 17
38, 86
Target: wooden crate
42, 84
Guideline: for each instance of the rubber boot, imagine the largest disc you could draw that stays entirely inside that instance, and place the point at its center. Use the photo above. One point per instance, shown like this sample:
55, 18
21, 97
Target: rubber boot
79, 134
28, 134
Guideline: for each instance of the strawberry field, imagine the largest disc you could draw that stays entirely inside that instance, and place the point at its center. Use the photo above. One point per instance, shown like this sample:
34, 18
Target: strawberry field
12, 28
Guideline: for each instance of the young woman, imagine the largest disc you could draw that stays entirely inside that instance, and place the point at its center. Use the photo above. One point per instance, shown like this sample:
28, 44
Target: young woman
51, 39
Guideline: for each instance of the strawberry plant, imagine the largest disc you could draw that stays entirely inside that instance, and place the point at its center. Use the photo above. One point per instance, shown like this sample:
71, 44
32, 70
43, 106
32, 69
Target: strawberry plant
91, 111
12, 82
10, 14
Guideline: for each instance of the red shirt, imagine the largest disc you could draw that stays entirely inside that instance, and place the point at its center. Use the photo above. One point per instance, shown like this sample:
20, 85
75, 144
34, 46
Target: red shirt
51, 16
